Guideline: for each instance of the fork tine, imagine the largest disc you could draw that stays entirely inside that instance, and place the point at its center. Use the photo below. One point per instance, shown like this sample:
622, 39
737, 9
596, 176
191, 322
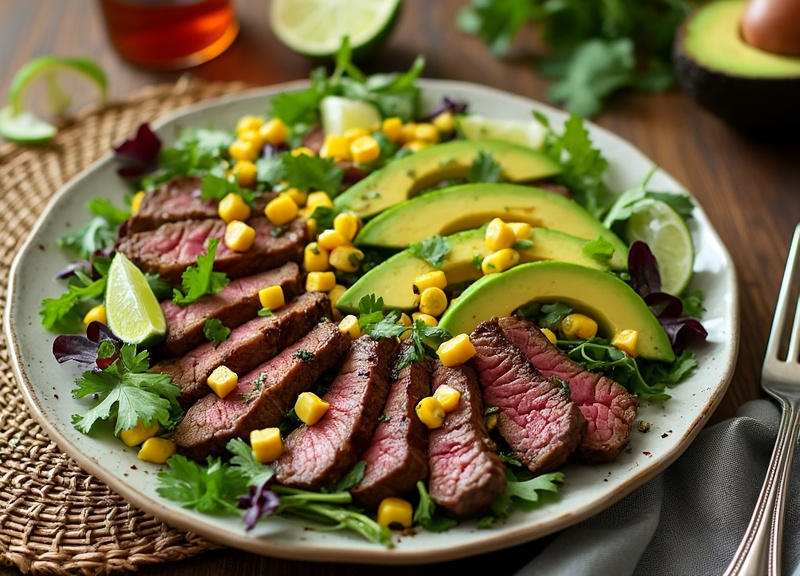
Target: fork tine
782, 307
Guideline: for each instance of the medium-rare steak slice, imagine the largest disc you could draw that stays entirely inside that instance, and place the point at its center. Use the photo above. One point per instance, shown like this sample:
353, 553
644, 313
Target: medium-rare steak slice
537, 419
466, 474
171, 248
609, 409
319, 455
247, 346
262, 396
397, 458
234, 305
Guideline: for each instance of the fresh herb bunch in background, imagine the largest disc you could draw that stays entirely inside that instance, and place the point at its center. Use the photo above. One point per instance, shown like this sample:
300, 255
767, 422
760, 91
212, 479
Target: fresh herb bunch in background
598, 46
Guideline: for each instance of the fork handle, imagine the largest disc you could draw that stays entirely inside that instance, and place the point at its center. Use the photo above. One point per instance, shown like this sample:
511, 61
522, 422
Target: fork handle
759, 553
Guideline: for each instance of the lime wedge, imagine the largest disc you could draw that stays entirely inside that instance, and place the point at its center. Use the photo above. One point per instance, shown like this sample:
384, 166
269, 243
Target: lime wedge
317, 27
24, 128
132, 310
664, 230
529, 133
340, 114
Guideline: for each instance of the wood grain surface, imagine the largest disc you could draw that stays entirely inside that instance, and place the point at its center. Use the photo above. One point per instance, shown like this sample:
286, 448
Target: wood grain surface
749, 187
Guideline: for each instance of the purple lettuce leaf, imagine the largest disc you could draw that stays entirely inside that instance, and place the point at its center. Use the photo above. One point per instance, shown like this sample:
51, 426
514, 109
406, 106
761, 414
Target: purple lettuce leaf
260, 502
139, 155
84, 349
447, 105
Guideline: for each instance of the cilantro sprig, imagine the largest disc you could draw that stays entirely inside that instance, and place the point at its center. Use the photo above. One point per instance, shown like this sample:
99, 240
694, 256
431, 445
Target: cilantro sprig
101, 231
433, 250
201, 279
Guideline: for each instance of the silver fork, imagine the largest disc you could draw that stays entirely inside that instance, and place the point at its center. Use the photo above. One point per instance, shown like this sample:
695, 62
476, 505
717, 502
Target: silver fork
760, 550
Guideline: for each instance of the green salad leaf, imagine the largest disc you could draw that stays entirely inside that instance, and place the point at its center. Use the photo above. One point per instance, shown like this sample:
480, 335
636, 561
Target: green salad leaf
201, 279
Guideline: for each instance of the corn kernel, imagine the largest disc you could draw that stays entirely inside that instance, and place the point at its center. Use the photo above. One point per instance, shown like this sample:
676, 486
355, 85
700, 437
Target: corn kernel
300, 198
491, 421
267, 444
408, 131
239, 237
349, 327
222, 381
395, 512
427, 319
233, 207
353, 134
499, 235
444, 122
335, 147
364, 150
392, 128
311, 227
448, 397
241, 150
252, 136
578, 326
249, 122
416, 145
522, 230
310, 408
456, 351
432, 301
303, 150
330, 239
426, 132
430, 412
500, 261
139, 433
281, 210
626, 340
316, 258
317, 199
347, 224
156, 450
320, 281
271, 297
550, 335
246, 172
405, 320
96, 314
136, 201
274, 132
433, 279
346, 258
334, 294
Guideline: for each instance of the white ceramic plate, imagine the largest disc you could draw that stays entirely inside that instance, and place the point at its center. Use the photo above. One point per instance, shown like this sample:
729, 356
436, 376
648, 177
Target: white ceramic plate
587, 490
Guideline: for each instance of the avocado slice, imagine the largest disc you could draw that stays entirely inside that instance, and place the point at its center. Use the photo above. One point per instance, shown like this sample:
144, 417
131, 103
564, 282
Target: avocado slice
613, 304
467, 206
405, 177
751, 89
393, 280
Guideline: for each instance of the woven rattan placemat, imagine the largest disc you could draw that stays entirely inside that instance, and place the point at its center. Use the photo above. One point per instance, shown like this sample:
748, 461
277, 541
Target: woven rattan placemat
54, 517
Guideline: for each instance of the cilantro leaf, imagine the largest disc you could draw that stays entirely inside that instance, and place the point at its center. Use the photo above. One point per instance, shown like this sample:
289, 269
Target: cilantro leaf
313, 173
484, 169
213, 488
101, 231
56, 311
370, 310
244, 457
201, 279
433, 250
217, 187
215, 331
600, 249
525, 494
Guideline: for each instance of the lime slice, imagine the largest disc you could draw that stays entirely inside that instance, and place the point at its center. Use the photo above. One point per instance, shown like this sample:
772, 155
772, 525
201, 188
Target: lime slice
664, 230
25, 128
132, 310
317, 27
340, 114
529, 133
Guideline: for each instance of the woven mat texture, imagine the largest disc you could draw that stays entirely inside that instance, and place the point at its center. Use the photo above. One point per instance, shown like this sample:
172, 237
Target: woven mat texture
55, 518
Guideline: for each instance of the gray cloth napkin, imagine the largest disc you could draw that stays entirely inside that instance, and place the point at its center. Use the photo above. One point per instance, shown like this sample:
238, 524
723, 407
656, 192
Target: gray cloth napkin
689, 519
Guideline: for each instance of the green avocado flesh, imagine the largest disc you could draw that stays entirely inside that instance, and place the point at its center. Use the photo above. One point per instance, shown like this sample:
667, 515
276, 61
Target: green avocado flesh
393, 280
468, 206
613, 304
405, 177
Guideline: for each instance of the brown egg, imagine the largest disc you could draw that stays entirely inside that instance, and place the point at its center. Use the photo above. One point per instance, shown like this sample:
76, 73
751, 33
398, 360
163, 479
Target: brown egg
773, 26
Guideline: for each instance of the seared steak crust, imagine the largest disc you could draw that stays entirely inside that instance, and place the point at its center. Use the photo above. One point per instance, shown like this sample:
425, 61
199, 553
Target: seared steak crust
537, 419
261, 397
319, 455
609, 409
466, 474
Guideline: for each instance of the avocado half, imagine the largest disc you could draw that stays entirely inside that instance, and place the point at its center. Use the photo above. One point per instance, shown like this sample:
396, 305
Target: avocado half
752, 90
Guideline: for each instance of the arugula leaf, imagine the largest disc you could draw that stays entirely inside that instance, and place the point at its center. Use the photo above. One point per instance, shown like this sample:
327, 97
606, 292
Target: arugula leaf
101, 231
215, 331
484, 169
56, 311
212, 489
433, 250
201, 279
426, 514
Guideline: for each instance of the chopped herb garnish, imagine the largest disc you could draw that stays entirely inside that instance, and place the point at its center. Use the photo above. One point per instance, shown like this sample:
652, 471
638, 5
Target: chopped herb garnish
304, 355
201, 279
265, 312
215, 331
433, 250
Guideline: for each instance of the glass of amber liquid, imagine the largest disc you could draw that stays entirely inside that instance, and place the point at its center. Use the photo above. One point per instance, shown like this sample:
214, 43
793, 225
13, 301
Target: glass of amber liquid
170, 34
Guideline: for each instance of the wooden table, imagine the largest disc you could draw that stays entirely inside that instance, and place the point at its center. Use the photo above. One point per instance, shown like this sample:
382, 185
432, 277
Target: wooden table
750, 188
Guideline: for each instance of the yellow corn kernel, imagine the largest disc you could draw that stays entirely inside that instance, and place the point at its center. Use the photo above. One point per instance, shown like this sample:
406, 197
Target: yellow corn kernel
432, 301
300, 198
303, 150
241, 150
578, 326
281, 210
222, 381
433, 279
347, 224
522, 230
139, 433
353, 134
233, 207
500, 261
405, 320
320, 281
274, 132
334, 294
491, 421
156, 450
426, 132
271, 297
416, 145
430, 412
550, 335
427, 319
349, 327
310, 408
96, 314
364, 150
249, 122
456, 351
444, 122
626, 340
395, 512
499, 235
330, 239
252, 136
392, 128
136, 201
448, 397
316, 258
267, 444
318, 198
335, 147
311, 227
346, 258
239, 237
408, 131
246, 172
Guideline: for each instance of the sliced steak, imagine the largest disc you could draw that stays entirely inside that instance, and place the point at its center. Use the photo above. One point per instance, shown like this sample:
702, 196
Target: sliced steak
319, 455
537, 419
171, 248
246, 347
609, 409
234, 305
262, 396
466, 474
397, 458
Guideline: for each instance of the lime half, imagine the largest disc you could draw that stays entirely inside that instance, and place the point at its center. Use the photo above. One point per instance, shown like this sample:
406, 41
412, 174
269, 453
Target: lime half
664, 230
132, 310
317, 27
529, 133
